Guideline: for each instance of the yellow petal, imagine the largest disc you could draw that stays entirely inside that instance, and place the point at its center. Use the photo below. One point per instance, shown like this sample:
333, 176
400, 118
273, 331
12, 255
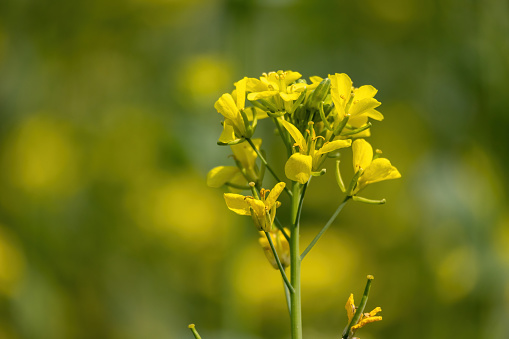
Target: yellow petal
218, 176
255, 85
291, 76
274, 194
227, 107
237, 179
374, 114
366, 91
241, 93
295, 133
261, 95
289, 96
334, 145
238, 203
362, 154
375, 311
341, 89
315, 79
379, 170
298, 167
366, 321
260, 114
245, 154
350, 308
359, 107
228, 134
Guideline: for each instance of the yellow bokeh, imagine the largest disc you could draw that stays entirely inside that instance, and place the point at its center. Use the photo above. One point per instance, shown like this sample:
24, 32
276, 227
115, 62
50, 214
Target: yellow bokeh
457, 273
41, 157
179, 209
12, 264
204, 77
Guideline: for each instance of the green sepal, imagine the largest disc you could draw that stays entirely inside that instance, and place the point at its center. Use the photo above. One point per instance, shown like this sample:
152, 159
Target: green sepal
249, 131
298, 102
234, 142
353, 183
339, 179
324, 118
319, 174
268, 105
320, 93
276, 114
368, 201
341, 125
357, 130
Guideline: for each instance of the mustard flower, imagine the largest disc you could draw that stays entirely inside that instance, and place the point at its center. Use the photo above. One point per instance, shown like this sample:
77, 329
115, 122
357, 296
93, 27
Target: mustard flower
372, 170
365, 318
263, 210
300, 166
353, 101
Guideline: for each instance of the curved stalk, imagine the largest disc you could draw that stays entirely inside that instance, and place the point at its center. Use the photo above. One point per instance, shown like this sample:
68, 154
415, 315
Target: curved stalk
325, 228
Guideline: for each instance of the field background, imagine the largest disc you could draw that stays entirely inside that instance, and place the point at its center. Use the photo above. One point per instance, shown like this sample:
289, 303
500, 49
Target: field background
107, 131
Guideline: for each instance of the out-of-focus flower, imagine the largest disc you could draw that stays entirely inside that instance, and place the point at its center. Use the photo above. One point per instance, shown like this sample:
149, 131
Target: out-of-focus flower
280, 244
245, 172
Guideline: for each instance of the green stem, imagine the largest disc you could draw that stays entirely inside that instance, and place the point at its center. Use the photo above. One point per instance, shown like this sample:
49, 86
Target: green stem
325, 228
195, 333
288, 300
295, 304
347, 333
281, 228
281, 269
262, 158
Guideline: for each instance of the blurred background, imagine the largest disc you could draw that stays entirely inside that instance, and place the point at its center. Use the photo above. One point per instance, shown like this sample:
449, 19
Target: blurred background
107, 131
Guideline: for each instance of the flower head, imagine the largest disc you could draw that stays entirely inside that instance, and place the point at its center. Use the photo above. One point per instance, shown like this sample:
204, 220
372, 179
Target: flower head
263, 210
372, 170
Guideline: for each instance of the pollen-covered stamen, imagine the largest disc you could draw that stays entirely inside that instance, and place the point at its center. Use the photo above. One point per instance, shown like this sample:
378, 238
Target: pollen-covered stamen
318, 137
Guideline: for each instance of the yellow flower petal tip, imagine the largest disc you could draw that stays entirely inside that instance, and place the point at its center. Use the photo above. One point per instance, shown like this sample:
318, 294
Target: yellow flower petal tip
298, 167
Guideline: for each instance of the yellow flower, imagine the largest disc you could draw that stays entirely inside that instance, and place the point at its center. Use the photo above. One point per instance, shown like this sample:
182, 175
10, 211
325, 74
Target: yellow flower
353, 101
278, 85
372, 170
300, 166
280, 244
365, 318
246, 157
263, 211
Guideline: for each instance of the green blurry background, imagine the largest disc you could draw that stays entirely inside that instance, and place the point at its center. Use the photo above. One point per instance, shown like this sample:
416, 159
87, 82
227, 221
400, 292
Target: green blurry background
107, 130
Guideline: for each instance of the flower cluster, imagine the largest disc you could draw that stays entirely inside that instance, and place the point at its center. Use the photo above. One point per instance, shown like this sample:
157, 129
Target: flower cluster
316, 119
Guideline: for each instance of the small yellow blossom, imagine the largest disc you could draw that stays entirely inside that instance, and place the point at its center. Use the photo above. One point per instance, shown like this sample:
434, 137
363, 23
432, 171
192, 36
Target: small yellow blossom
353, 101
373, 171
278, 85
263, 211
246, 157
300, 165
280, 244
365, 318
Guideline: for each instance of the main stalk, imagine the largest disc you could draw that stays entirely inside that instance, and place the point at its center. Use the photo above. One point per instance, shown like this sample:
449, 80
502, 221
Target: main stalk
296, 314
